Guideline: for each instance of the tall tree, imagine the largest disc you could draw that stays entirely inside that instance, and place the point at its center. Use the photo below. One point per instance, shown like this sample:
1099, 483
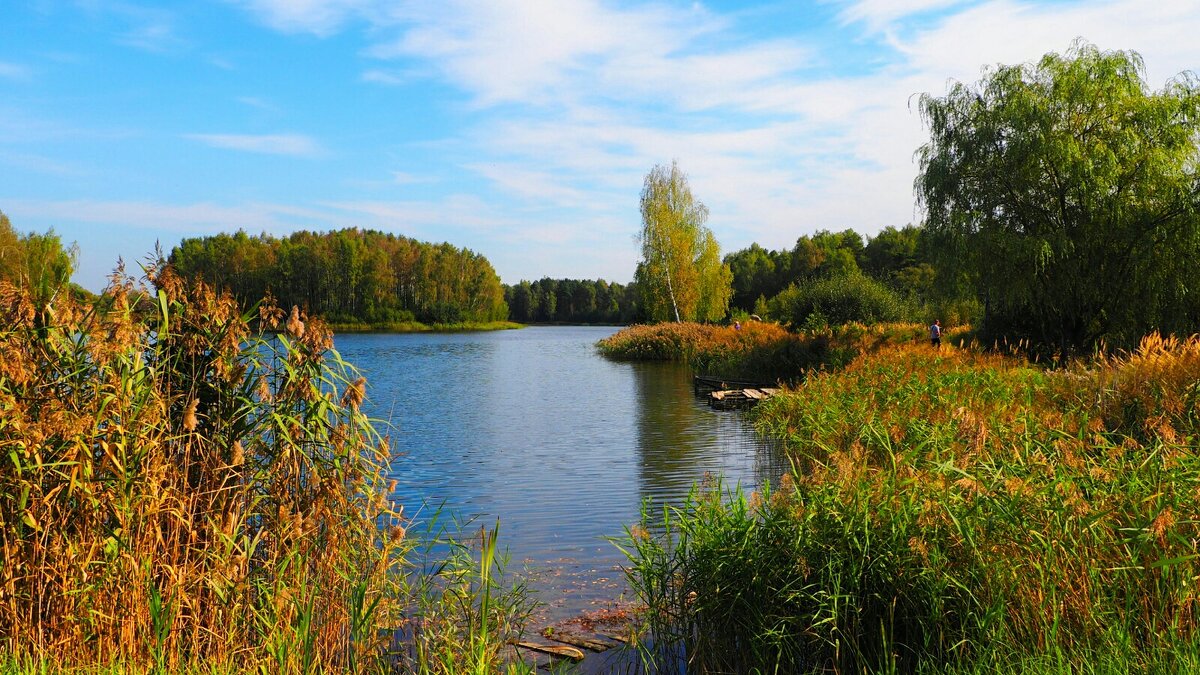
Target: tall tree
681, 275
1069, 192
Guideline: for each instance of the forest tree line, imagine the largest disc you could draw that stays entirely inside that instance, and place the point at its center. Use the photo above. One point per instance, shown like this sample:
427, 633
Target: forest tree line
350, 275
572, 301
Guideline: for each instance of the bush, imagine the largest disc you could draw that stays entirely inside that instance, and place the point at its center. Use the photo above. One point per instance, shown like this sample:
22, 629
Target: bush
837, 300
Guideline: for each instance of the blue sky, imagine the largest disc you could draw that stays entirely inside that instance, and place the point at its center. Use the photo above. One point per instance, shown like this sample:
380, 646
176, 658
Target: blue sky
521, 129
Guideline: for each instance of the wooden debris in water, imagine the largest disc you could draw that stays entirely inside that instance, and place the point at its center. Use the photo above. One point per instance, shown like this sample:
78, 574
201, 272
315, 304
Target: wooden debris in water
553, 650
582, 642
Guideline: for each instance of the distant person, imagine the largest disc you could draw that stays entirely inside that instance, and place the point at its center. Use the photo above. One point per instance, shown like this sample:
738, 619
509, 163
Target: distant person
935, 333
737, 325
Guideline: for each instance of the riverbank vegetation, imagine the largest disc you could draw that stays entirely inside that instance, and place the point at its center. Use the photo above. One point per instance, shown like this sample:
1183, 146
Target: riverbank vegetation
180, 494
950, 511
763, 352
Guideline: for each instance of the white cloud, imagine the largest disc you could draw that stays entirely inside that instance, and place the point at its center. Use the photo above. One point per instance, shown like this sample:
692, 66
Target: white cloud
294, 145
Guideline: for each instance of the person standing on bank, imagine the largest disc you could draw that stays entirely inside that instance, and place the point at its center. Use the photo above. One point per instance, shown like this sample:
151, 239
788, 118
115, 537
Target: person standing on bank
935, 333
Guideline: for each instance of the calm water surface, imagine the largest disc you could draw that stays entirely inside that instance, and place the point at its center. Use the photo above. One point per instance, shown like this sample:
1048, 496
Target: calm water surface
533, 427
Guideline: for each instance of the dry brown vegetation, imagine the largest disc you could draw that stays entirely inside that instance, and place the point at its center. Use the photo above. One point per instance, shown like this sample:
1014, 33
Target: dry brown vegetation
181, 491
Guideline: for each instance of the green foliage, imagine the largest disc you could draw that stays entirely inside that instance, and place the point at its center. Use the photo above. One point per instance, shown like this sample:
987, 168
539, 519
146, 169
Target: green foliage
350, 276
839, 300
900, 258
681, 276
38, 263
1065, 192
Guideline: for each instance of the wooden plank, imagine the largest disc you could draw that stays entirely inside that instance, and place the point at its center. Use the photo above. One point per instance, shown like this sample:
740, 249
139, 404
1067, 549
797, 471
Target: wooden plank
553, 650
754, 394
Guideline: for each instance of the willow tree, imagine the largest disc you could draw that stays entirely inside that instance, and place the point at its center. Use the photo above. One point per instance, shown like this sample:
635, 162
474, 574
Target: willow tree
1069, 193
681, 275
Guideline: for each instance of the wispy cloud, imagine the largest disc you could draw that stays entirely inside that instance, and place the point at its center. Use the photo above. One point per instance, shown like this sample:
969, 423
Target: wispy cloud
258, 103
40, 164
15, 71
878, 15
318, 17
188, 219
294, 145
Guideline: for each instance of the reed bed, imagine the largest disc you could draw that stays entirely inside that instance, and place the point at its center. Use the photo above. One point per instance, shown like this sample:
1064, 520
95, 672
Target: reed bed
950, 511
759, 350
179, 493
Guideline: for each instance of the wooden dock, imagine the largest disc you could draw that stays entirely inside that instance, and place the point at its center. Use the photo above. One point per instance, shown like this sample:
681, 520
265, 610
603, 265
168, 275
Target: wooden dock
726, 394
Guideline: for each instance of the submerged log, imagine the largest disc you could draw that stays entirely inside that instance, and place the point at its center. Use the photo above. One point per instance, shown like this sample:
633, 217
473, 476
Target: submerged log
583, 642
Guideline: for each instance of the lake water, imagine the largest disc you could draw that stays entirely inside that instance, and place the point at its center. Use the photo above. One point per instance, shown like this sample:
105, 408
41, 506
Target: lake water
534, 428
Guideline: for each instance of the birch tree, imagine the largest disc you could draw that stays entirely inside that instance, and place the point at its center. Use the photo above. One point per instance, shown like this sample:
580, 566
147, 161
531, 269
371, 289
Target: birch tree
681, 276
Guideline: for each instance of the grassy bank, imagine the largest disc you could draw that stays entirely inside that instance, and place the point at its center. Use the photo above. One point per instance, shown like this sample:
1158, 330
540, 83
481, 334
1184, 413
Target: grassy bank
758, 351
950, 512
418, 327
178, 494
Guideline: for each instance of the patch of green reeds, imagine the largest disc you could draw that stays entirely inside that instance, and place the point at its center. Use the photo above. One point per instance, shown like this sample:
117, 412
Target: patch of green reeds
179, 493
464, 610
952, 512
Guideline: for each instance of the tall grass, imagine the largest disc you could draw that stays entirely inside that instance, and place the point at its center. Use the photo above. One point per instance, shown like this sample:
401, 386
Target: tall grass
951, 511
179, 493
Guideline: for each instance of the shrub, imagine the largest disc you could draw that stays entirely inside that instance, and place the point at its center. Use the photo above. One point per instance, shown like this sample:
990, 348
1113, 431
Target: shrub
837, 300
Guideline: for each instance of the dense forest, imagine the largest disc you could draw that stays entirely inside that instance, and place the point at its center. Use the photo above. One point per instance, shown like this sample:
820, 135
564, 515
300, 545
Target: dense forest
351, 275
572, 301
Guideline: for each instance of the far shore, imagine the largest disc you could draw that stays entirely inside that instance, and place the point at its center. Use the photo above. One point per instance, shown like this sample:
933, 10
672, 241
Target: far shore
418, 327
